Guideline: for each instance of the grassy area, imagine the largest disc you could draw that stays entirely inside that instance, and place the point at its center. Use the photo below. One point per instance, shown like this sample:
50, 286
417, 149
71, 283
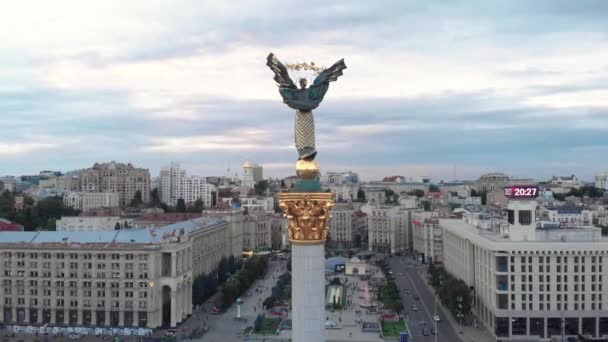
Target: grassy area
269, 326
392, 329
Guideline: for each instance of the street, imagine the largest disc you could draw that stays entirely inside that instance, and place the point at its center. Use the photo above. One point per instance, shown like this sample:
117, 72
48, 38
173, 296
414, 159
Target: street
423, 318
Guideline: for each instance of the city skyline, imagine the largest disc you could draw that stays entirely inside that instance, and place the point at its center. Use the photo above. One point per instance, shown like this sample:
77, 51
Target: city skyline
473, 88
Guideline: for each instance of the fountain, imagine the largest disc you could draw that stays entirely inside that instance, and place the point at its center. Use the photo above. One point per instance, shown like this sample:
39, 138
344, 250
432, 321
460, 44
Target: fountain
371, 306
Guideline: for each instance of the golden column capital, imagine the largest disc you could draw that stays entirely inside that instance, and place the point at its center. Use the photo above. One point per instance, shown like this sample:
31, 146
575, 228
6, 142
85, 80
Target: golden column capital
308, 215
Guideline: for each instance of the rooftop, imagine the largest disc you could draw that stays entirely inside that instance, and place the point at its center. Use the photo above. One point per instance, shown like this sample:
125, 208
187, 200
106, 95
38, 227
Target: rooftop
108, 239
566, 238
168, 217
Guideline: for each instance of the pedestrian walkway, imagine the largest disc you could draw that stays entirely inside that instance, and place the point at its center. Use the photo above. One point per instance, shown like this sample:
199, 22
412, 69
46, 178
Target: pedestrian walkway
469, 334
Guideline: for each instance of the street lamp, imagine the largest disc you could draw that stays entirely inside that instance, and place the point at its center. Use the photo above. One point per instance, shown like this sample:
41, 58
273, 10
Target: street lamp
459, 299
434, 320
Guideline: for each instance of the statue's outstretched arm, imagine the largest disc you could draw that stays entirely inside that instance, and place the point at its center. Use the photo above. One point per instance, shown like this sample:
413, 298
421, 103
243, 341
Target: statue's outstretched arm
281, 76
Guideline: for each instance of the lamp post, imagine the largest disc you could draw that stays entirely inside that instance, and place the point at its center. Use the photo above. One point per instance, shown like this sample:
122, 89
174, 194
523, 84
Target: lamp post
459, 299
238, 308
153, 308
435, 310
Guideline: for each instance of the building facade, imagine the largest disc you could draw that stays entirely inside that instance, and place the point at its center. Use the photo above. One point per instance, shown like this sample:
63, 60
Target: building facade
92, 223
342, 231
85, 201
120, 178
175, 184
427, 237
601, 180
531, 283
128, 278
389, 228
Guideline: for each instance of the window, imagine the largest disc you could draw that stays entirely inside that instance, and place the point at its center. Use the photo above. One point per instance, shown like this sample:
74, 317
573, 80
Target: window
525, 217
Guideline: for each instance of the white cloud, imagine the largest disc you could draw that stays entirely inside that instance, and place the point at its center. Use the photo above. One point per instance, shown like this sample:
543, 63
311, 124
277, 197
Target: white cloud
12, 149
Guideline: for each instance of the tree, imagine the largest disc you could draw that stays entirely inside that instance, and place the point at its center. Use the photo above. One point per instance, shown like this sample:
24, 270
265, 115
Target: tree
181, 206
136, 201
198, 206
28, 201
426, 205
416, 192
260, 187
361, 195
154, 198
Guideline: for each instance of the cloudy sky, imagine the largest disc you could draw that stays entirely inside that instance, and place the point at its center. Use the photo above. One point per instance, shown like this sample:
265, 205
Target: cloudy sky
449, 89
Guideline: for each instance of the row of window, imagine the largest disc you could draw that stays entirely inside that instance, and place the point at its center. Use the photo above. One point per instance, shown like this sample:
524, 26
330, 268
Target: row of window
73, 256
74, 303
74, 265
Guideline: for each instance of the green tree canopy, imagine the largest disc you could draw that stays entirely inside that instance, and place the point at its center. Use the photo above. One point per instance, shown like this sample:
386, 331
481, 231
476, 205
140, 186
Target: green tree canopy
136, 201
181, 206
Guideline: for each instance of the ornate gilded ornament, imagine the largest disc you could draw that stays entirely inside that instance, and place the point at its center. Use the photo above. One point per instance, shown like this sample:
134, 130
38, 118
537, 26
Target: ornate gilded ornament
308, 216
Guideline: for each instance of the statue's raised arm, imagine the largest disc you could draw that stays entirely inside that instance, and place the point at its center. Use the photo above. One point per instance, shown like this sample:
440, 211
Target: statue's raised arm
281, 76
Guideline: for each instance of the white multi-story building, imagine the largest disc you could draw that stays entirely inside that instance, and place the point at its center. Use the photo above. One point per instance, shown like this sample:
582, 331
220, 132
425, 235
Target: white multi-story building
601, 180
342, 232
389, 228
92, 223
427, 236
257, 203
570, 215
130, 278
530, 283
566, 181
85, 201
175, 184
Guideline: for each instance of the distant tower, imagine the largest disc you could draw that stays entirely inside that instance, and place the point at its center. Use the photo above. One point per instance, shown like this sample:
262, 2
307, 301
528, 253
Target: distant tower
248, 180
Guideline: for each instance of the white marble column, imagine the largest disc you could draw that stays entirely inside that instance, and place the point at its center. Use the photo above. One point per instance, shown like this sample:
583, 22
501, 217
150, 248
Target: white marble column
308, 293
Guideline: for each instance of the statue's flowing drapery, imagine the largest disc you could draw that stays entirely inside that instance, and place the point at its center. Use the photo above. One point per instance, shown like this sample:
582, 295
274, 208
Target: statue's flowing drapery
305, 134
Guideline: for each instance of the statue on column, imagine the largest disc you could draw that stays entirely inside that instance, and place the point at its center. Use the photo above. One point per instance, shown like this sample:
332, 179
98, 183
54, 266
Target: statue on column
304, 99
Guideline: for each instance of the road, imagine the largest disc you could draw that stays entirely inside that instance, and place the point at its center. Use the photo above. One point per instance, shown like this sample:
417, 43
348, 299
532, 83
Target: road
423, 318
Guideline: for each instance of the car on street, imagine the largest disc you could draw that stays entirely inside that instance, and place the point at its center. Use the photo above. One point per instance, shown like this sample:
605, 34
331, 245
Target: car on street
425, 332
407, 291
417, 297
434, 332
414, 308
436, 318
399, 274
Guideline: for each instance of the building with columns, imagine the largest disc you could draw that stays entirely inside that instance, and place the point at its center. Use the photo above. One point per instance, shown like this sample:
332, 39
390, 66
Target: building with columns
531, 282
129, 278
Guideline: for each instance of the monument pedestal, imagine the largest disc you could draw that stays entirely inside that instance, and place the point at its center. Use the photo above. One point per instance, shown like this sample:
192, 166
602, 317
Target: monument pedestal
308, 293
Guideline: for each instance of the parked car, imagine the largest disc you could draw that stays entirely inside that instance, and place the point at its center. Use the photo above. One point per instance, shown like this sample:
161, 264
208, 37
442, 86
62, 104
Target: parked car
417, 297
425, 332
436, 318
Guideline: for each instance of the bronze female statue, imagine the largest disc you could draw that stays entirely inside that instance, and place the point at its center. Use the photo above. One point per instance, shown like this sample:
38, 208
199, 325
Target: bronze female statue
304, 100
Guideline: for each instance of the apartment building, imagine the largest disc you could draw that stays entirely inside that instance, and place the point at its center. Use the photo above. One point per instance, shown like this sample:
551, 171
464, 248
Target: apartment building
120, 178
